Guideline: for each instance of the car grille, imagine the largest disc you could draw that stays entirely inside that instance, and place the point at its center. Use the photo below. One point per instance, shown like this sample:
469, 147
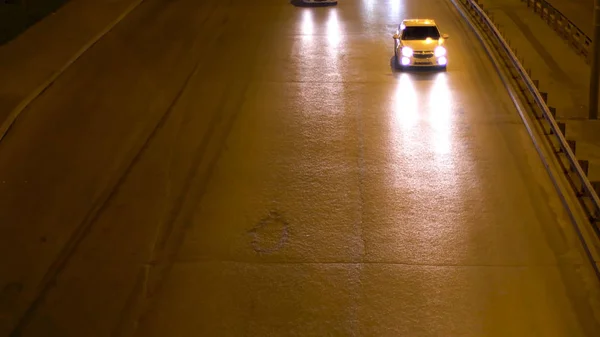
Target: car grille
422, 54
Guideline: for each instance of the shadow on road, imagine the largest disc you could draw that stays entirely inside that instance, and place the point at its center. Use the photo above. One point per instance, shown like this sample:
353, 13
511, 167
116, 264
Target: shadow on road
299, 3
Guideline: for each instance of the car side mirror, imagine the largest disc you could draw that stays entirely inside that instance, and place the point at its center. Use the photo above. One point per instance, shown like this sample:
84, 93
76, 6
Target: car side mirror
445, 36
396, 36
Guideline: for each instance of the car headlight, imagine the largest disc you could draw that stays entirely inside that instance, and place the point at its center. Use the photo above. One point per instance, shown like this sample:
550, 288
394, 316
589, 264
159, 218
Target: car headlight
406, 51
440, 51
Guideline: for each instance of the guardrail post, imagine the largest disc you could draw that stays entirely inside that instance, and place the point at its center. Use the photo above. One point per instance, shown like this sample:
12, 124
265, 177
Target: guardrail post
544, 96
585, 166
552, 111
572, 144
596, 186
595, 66
562, 127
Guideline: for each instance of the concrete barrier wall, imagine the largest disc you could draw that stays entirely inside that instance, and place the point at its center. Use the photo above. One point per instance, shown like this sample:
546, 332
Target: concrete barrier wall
564, 26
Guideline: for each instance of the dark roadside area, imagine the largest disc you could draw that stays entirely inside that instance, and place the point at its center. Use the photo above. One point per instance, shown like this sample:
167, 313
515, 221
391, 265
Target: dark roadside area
16, 16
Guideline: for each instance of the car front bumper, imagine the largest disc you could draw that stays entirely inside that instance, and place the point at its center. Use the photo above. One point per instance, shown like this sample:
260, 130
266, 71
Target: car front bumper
432, 61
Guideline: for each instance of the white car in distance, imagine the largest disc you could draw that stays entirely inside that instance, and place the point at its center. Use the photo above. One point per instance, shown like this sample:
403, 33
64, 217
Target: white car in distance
419, 43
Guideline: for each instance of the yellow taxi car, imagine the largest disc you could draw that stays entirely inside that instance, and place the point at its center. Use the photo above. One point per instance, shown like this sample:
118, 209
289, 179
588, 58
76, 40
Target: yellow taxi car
419, 43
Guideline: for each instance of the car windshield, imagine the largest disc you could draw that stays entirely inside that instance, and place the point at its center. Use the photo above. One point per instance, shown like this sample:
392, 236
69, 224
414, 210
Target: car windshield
420, 33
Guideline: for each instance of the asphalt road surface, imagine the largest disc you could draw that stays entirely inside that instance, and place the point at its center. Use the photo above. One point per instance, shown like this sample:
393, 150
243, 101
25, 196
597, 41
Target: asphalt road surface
252, 168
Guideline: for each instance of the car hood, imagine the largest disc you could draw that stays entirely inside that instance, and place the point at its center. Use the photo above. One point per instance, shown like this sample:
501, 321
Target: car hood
423, 45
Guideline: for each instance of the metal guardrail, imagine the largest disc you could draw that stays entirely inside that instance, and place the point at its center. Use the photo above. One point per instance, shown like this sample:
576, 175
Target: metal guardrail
564, 27
563, 150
